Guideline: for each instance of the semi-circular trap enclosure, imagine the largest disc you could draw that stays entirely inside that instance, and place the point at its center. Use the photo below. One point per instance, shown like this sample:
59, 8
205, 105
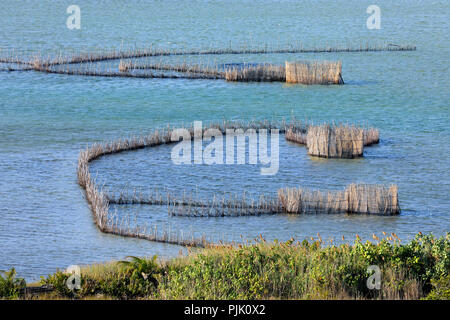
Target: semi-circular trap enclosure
213, 64
360, 199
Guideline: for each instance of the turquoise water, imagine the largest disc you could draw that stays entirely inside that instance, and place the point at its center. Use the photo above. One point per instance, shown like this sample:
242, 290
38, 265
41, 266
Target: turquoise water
45, 120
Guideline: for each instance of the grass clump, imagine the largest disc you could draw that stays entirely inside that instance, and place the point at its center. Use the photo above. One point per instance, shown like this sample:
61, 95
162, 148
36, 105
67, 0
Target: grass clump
314, 72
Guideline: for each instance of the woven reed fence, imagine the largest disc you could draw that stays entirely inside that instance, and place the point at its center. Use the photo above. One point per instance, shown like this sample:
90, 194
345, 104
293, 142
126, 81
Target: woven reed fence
314, 72
260, 73
356, 198
329, 141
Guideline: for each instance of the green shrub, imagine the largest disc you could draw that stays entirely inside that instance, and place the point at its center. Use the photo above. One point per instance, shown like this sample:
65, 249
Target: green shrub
58, 281
441, 289
10, 286
127, 279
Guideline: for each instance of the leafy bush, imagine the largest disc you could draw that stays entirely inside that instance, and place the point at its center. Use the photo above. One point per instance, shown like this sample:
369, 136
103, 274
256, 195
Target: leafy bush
127, 279
59, 282
136, 278
441, 289
10, 286
139, 268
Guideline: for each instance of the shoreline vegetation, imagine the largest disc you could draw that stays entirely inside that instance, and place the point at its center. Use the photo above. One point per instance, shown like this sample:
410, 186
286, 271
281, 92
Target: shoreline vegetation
357, 199
310, 269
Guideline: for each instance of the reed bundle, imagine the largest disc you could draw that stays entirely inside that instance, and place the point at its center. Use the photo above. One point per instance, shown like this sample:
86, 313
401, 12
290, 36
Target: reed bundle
330, 141
299, 134
371, 136
364, 198
356, 198
314, 72
296, 136
260, 73
306, 201
124, 66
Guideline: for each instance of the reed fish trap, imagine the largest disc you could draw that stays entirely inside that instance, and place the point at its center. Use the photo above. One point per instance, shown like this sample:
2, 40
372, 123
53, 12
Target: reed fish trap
356, 198
297, 135
314, 72
259, 73
329, 141
366, 198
